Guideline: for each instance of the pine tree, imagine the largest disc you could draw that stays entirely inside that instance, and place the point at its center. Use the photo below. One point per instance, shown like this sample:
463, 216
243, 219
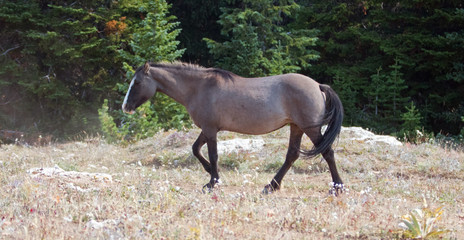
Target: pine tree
376, 89
411, 118
198, 19
411, 126
394, 96
347, 95
346, 50
259, 41
427, 38
356, 37
153, 38
387, 97
56, 66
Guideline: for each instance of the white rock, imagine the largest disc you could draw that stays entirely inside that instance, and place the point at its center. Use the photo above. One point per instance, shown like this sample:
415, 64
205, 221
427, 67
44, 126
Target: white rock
240, 144
56, 171
360, 134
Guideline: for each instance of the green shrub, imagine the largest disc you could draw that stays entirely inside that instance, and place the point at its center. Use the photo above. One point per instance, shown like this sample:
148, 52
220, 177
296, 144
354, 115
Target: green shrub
138, 126
108, 127
412, 129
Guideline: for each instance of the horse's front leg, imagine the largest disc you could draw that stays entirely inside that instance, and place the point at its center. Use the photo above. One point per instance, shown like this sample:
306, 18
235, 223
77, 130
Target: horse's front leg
211, 142
201, 140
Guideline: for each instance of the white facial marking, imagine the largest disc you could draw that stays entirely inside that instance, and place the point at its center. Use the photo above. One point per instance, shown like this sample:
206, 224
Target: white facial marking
127, 95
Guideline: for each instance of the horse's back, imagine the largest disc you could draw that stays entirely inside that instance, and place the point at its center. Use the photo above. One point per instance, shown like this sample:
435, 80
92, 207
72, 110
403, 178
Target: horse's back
261, 105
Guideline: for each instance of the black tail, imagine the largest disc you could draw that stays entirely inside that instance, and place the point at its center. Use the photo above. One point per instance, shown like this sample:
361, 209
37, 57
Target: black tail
333, 118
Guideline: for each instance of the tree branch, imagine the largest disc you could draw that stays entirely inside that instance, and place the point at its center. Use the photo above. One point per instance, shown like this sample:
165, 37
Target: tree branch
11, 49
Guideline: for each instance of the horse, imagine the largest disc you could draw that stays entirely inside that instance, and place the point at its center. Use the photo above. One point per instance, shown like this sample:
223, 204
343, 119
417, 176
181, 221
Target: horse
219, 100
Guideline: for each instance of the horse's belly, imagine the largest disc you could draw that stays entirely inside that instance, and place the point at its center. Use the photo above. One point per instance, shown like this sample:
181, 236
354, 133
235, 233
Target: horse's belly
254, 123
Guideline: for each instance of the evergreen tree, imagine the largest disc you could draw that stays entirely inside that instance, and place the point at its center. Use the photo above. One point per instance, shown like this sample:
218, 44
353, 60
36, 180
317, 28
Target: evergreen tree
347, 95
411, 118
356, 37
259, 41
198, 19
387, 98
56, 66
347, 51
427, 38
410, 129
376, 89
153, 38
394, 95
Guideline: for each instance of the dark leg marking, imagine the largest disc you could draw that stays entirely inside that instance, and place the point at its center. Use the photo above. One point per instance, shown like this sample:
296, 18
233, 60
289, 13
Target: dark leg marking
337, 184
201, 140
293, 153
213, 158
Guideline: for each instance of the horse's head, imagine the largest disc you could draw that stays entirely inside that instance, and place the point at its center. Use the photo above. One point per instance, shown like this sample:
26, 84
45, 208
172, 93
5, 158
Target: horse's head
142, 88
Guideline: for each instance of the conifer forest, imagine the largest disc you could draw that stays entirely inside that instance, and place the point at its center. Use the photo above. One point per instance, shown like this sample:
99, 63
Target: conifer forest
65, 65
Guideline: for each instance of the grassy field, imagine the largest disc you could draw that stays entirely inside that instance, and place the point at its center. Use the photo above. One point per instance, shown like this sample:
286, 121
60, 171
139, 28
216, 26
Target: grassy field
152, 190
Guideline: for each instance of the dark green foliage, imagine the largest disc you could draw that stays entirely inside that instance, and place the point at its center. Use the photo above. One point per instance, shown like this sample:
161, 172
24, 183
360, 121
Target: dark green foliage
59, 66
423, 37
152, 38
347, 56
427, 39
387, 96
347, 94
411, 127
198, 20
259, 41
59, 60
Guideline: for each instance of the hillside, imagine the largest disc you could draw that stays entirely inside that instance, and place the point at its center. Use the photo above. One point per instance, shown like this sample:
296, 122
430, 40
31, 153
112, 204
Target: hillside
152, 189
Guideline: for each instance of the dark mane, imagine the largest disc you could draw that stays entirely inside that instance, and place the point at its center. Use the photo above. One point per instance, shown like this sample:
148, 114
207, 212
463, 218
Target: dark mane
181, 66
223, 73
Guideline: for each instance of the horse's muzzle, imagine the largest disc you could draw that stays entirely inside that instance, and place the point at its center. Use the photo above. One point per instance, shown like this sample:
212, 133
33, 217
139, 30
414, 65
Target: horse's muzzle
124, 109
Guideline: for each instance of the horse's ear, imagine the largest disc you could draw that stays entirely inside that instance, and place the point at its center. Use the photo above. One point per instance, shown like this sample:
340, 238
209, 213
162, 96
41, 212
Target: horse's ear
146, 67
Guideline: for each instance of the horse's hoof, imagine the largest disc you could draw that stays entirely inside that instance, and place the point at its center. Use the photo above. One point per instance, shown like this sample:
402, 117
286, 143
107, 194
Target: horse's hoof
208, 188
268, 189
336, 189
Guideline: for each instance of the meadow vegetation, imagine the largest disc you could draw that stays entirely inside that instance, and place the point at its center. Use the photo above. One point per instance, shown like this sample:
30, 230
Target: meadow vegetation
151, 189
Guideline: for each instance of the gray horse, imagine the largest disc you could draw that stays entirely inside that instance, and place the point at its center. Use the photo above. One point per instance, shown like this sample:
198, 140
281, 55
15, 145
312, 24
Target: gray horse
218, 100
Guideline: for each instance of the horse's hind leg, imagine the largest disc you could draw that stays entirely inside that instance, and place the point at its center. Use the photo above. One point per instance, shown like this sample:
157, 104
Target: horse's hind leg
292, 155
201, 140
315, 135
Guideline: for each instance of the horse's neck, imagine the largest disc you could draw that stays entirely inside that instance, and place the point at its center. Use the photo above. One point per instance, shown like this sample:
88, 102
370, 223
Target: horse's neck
175, 84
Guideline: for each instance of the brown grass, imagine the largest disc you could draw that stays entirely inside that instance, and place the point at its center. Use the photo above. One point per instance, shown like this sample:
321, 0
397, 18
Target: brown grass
154, 191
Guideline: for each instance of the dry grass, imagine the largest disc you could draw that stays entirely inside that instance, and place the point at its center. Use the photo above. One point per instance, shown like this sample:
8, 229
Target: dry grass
154, 191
